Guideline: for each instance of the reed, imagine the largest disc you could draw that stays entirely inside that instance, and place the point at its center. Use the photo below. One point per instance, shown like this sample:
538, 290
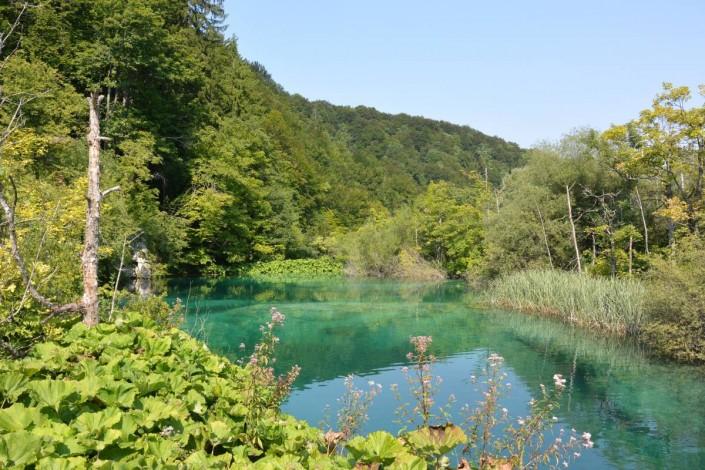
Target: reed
612, 304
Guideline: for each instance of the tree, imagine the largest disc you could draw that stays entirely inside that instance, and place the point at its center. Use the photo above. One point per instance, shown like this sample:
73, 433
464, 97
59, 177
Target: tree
666, 144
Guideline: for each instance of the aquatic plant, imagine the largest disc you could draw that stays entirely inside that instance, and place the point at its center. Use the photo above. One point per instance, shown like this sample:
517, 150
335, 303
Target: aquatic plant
323, 267
612, 304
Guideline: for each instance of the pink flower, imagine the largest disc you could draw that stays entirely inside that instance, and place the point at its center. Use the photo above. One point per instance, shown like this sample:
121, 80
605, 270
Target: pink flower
421, 343
277, 317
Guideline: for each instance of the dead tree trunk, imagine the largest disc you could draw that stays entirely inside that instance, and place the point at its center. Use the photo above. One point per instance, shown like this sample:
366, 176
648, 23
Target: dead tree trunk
631, 245
545, 237
89, 259
643, 221
572, 230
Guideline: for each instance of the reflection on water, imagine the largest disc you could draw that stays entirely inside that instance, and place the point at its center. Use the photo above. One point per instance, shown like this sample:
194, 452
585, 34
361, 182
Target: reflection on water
642, 413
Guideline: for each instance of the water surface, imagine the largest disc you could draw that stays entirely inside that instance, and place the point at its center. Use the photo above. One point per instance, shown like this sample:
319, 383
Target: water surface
642, 413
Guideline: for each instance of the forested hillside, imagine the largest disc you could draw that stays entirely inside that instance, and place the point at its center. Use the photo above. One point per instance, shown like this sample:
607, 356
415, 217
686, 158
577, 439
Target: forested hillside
218, 165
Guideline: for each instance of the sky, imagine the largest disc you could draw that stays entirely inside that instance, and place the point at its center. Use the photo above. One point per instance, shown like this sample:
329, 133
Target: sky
526, 71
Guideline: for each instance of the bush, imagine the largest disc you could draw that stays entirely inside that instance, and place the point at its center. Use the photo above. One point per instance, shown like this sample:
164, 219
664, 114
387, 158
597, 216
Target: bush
612, 304
676, 306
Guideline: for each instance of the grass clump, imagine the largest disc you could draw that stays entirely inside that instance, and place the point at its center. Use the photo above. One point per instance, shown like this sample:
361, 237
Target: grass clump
612, 304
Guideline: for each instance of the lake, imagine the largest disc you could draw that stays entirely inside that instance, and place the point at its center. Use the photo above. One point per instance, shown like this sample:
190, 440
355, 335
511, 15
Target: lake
642, 413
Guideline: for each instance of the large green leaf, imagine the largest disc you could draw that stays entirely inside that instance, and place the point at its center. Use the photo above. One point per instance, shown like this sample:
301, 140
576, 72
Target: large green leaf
150, 384
161, 449
118, 340
89, 386
220, 431
52, 392
157, 346
12, 384
437, 439
378, 447
120, 394
51, 353
98, 422
63, 463
201, 459
21, 448
18, 417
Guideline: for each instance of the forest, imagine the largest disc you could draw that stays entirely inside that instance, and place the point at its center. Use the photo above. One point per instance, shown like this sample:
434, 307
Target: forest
212, 169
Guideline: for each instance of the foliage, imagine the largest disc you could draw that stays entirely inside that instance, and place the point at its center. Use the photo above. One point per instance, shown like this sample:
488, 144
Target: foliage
530, 220
616, 305
451, 230
304, 268
676, 303
443, 229
126, 394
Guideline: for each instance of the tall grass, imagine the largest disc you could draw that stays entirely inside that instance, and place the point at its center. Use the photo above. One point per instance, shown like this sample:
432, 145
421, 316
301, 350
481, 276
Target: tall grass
611, 304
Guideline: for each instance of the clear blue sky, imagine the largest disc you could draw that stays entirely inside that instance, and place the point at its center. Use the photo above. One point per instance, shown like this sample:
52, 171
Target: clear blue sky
523, 70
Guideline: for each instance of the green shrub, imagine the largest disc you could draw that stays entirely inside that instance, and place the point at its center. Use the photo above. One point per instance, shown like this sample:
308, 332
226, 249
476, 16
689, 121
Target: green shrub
303, 268
613, 304
126, 394
676, 307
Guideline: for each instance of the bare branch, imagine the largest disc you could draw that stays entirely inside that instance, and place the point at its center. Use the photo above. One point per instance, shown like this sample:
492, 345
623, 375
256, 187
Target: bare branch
109, 190
5, 36
19, 261
122, 262
17, 310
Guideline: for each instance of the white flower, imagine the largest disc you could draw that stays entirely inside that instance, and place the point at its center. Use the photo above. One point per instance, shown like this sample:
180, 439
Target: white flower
495, 359
587, 443
559, 381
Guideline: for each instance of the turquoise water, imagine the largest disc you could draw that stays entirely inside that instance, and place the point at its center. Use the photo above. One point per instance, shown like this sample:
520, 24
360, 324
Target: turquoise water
642, 413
